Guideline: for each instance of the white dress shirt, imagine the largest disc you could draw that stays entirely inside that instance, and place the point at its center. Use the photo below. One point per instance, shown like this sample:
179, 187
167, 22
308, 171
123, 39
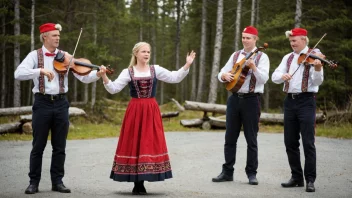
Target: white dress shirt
314, 80
28, 69
160, 72
262, 73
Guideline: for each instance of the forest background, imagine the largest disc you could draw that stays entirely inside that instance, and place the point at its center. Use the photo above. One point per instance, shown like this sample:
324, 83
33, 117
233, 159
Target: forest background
173, 28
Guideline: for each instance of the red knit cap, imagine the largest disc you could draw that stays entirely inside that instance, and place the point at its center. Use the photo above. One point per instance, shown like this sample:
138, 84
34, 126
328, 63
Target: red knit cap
250, 30
297, 32
49, 27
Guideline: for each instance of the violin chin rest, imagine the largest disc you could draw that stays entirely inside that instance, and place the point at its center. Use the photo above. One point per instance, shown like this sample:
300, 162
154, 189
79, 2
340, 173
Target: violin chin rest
60, 57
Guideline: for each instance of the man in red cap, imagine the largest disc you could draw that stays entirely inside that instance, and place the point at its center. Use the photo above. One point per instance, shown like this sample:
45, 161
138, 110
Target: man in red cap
243, 106
50, 108
301, 83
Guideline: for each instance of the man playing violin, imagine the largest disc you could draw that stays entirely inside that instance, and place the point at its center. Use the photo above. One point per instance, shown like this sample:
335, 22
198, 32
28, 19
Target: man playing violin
301, 83
243, 106
50, 108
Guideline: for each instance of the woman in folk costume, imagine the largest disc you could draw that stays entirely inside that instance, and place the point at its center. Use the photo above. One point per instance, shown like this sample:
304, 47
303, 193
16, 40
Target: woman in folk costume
141, 153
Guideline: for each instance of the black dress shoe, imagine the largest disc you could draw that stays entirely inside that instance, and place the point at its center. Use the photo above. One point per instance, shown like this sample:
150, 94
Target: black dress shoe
293, 183
142, 190
253, 180
31, 189
135, 190
310, 187
222, 178
139, 188
60, 188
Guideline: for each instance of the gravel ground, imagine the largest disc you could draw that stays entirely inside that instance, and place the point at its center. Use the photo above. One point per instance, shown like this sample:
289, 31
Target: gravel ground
196, 157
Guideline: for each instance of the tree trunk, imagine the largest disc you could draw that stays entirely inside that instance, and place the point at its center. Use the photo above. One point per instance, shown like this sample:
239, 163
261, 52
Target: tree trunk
238, 34
257, 14
203, 51
266, 97
162, 49
30, 95
155, 25
3, 75
177, 47
141, 21
194, 81
298, 14
253, 12
95, 35
178, 30
217, 53
17, 51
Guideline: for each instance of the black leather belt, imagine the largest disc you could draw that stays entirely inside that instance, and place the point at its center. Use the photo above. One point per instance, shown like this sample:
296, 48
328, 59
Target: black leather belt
300, 95
50, 96
246, 95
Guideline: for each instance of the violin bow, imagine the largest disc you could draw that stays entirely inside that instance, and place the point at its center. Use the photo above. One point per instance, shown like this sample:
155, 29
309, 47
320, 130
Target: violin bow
314, 48
309, 53
74, 51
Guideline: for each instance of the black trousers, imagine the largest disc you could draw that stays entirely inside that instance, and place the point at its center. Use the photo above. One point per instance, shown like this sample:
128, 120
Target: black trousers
242, 110
49, 114
299, 117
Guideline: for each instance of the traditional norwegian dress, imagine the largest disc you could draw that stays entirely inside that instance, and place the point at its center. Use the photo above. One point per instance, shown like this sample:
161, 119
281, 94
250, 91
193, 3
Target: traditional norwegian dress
141, 152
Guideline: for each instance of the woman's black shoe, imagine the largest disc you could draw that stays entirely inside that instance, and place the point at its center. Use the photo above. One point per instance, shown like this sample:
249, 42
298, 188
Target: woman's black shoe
135, 190
142, 190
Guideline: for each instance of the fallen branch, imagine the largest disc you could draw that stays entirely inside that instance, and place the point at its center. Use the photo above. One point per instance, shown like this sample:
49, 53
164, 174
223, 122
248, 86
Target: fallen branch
180, 107
72, 111
15, 111
206, 107
10, 127
191, 123
169, 114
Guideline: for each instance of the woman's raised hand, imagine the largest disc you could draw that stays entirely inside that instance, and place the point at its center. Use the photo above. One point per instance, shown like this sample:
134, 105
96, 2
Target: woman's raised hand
189, 59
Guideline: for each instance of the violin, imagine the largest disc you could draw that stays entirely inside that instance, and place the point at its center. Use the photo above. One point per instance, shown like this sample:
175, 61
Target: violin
311, 58
64, 62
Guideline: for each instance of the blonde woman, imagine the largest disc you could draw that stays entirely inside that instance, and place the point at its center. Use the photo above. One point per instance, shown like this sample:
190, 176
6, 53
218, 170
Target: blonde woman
141, 153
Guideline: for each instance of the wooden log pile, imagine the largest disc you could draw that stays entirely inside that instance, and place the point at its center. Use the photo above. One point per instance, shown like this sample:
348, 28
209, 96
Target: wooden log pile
208, 122
25, 123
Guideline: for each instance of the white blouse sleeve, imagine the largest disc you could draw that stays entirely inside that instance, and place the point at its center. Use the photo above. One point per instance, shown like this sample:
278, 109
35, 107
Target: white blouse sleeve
118, 84
170, 76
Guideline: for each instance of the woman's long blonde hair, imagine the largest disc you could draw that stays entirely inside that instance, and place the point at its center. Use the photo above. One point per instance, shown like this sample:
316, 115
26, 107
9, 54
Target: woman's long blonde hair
135, 51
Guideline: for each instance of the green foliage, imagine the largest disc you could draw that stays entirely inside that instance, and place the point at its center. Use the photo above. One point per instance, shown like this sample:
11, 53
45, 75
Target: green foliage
111, 28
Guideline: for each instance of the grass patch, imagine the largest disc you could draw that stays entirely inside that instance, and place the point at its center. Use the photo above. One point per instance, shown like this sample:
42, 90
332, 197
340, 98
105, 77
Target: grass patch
92, 131
335, 131
106, 121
